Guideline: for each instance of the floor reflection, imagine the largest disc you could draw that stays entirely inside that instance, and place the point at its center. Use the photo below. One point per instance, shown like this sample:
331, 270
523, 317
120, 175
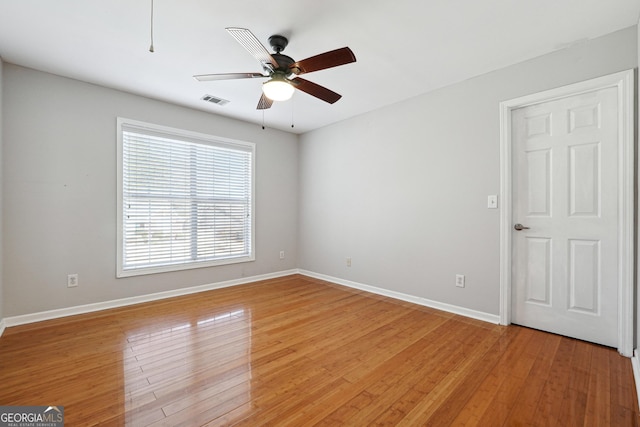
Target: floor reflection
188, 370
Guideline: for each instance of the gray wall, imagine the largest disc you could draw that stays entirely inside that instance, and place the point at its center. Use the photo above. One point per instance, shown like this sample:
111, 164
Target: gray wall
59, 194
403, 190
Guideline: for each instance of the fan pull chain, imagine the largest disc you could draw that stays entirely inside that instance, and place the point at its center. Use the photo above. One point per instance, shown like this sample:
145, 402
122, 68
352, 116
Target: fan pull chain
292, 108
262, 119
151, 46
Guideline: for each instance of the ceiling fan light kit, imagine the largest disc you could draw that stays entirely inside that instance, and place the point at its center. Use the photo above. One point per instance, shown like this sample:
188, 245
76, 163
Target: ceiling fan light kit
283, 70
278, 88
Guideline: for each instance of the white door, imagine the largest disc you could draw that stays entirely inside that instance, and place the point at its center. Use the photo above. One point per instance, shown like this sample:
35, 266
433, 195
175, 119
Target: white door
565, 190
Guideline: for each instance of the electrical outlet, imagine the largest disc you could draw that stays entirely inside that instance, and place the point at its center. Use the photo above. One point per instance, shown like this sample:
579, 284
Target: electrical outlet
460, 280
72, 280
281, 254
348, 261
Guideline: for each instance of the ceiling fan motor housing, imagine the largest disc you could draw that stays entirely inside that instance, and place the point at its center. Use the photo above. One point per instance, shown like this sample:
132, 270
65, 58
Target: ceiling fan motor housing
283, 61
278, 43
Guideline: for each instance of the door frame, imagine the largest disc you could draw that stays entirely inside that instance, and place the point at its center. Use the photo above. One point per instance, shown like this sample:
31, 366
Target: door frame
624, 83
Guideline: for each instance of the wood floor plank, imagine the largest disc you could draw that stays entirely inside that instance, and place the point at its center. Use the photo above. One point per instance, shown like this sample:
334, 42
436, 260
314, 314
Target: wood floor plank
388, 381
598, 411
622, 402
526, 399
500, 352
298, 351
432, 375
574, 402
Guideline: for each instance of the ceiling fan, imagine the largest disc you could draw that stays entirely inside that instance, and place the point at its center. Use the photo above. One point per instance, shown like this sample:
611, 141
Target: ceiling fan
282, 70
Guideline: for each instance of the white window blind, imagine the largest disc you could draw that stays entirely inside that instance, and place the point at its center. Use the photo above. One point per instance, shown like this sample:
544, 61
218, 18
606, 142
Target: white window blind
186, 200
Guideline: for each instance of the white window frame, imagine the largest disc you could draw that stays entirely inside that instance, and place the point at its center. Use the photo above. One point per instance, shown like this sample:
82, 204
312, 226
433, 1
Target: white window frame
188, 136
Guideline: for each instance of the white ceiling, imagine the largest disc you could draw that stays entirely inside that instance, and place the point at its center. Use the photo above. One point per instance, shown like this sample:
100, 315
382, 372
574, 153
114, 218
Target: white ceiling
403, 47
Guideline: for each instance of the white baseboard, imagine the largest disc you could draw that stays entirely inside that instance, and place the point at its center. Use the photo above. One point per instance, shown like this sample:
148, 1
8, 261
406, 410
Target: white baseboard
486, 317
89, 308
635, 363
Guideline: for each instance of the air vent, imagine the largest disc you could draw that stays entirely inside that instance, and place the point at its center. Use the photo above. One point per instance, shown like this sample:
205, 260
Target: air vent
214, 100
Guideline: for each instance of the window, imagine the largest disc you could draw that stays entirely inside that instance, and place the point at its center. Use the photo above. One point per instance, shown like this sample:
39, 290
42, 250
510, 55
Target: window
185, 200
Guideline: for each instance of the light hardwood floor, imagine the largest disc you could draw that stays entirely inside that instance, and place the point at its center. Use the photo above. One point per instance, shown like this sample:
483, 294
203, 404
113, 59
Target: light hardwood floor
298, 351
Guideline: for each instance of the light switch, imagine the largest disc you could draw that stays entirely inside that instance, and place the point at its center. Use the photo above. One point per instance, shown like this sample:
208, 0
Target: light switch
492, 201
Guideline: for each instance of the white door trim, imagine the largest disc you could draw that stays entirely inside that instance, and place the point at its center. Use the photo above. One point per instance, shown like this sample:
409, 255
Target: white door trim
624, 82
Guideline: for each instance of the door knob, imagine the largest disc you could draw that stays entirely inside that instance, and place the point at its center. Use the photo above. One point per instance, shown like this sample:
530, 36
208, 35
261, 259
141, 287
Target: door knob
520, 227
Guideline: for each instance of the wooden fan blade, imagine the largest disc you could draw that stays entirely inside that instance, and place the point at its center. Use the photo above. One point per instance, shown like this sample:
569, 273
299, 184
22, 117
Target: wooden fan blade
253, 46
227, 76
316, 90
264, 103
324, 60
